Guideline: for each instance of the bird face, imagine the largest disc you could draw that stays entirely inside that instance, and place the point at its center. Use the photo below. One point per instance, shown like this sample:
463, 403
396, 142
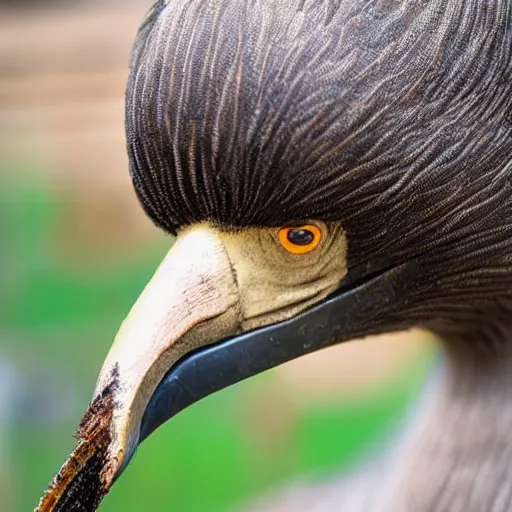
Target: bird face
214, 284
225, 304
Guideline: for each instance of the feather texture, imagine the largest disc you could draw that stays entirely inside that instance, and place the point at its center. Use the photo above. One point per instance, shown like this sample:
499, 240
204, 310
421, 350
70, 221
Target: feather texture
393, 118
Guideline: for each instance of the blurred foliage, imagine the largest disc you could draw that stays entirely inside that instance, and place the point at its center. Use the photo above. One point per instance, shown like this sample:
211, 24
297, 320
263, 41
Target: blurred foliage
56, 324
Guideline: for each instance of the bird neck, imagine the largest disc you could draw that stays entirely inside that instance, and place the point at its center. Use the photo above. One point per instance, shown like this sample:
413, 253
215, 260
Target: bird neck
460, 456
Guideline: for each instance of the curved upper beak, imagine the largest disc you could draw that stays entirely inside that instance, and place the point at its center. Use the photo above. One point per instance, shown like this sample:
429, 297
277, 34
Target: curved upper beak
191, 301
191, 333
184, 338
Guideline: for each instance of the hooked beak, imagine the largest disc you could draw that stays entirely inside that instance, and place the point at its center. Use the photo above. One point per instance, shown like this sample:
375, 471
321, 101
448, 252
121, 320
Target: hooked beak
184, 339
189, 335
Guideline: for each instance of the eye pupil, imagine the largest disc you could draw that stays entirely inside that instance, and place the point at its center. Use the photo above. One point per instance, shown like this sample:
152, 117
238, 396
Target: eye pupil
300, 236
300, 239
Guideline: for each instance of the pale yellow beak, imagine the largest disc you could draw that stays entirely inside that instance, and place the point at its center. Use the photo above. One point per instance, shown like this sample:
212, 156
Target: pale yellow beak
214, 285
191, 301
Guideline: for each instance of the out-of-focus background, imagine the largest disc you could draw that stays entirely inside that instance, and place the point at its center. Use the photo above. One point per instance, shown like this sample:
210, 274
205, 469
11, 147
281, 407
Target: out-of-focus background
76, 250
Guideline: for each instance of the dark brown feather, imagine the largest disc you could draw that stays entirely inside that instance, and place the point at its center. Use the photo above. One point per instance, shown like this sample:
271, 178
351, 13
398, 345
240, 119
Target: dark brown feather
390, 117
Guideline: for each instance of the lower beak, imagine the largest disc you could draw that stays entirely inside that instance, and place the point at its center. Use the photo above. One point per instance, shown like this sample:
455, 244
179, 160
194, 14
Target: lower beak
349, 313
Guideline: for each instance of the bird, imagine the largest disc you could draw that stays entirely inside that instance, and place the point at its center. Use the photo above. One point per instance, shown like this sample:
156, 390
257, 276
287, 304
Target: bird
331, 169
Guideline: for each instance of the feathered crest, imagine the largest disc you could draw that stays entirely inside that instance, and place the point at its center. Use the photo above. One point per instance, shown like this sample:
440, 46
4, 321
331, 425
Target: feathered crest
385, 115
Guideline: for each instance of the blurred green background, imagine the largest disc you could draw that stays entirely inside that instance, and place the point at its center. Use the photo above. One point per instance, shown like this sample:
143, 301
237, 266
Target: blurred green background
75, 252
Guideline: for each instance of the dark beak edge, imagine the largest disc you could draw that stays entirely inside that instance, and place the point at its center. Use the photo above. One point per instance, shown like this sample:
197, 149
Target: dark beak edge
345, 314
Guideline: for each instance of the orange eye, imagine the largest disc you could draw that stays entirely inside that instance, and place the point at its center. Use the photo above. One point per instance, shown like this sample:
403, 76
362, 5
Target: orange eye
301, 239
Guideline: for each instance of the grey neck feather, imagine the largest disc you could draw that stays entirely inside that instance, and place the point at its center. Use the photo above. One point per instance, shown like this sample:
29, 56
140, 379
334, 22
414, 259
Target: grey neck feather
459, 458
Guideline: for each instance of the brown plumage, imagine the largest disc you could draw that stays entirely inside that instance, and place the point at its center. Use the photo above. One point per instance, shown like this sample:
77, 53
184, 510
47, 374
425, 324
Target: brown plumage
393, 118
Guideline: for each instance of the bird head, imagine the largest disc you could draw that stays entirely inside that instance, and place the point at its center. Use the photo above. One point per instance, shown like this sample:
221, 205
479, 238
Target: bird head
328, 171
